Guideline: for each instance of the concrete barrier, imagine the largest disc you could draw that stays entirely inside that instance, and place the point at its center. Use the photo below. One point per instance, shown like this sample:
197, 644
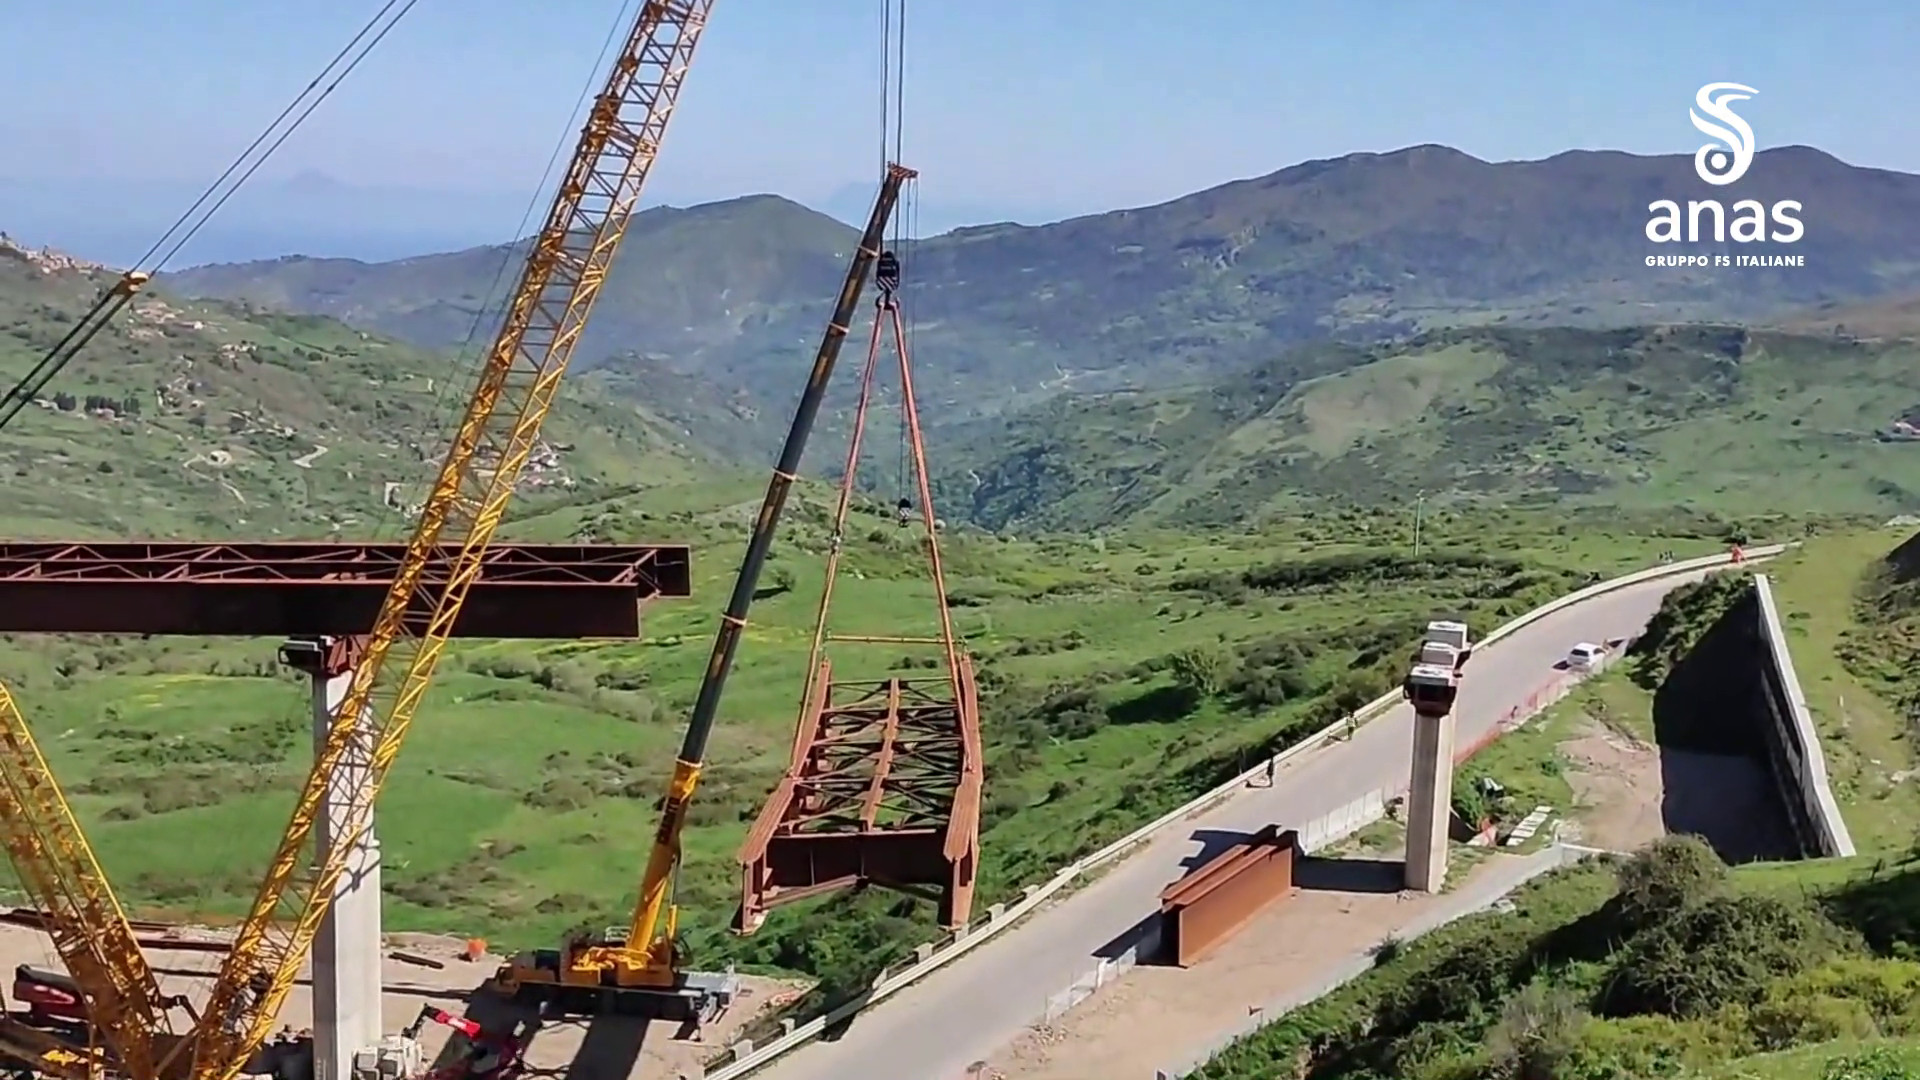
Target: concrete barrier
742, 1059
1793, 743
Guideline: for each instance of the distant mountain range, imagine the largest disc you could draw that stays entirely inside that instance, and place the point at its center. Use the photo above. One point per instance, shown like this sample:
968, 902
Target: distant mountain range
1356, 248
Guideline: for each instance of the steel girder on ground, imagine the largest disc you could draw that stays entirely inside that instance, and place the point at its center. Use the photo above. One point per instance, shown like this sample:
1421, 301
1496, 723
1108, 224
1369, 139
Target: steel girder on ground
883, 788
287, 589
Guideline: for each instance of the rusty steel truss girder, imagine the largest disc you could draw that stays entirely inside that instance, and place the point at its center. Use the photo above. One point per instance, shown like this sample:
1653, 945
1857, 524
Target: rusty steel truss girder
883, 788
306, 588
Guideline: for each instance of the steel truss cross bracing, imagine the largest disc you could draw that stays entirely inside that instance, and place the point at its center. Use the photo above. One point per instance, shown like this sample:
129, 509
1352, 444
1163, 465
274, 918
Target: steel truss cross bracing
293, 589
883, 785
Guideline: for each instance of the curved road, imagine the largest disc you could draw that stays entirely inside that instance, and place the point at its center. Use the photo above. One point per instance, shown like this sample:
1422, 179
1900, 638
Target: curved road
962, 1013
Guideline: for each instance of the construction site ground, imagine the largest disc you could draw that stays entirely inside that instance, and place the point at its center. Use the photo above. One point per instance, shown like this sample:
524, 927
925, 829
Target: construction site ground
1157, 1014
609, 1048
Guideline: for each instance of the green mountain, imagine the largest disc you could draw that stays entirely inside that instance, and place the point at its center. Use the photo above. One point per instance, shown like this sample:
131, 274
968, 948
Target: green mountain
1360, 247
1717, 417
215, 419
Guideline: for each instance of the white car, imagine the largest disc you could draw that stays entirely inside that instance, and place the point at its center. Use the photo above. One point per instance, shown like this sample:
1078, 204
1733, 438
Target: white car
1585, 656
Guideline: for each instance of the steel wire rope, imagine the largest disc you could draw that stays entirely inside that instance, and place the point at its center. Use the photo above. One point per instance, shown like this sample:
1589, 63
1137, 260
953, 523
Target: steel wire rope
465, 359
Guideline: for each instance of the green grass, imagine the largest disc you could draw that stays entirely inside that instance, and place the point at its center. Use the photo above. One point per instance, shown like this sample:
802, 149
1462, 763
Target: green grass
1547, 979
1714, 418
525, 799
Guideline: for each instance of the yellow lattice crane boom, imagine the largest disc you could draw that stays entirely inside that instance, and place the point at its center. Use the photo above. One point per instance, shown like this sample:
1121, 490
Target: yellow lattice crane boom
90, 932
566, 266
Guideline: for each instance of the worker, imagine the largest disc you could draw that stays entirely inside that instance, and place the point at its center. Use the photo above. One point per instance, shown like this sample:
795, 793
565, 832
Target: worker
887, 276
904, 511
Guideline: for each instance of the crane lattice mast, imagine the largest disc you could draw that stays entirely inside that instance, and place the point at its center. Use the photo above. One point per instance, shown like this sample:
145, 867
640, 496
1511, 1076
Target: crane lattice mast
566, 266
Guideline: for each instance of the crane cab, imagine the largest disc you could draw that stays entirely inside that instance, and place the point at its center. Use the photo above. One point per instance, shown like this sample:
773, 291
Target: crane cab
595, 977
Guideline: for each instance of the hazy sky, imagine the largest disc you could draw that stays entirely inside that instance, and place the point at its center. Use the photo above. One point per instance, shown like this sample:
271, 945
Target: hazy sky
1023, 109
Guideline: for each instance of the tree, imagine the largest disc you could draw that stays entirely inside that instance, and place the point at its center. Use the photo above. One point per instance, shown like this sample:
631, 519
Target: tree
1537, 1033
1201, 670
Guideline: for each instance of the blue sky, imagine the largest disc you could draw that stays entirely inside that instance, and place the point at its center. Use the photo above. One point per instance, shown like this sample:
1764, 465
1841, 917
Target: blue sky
1016, 109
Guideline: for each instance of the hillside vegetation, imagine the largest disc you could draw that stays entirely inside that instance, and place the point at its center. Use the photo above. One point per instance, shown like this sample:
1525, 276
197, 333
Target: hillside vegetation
1710, 416
1121, 676
213, 420
1663, 964
1361, 246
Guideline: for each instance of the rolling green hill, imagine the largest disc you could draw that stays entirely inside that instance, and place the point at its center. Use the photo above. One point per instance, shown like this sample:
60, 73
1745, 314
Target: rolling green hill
212, 419
1362, 246
1703, 415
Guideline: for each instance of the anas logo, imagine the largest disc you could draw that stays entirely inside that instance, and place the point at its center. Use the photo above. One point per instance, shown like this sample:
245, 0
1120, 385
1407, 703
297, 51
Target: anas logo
1736, 138
1721, 163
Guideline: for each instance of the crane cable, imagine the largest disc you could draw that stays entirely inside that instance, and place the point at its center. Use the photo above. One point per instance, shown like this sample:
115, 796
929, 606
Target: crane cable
893, 81
453, 388
189, 224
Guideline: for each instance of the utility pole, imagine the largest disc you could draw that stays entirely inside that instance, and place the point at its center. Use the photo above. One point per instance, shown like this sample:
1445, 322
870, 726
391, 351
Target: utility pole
1419, 506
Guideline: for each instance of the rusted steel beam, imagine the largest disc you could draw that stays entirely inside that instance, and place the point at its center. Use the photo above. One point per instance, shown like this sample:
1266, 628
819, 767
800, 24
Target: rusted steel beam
1201, 911
305, 588
883, 788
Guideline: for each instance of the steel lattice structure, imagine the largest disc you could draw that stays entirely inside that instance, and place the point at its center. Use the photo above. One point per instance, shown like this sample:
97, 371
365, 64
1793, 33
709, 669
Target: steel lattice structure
883, 787
293, 589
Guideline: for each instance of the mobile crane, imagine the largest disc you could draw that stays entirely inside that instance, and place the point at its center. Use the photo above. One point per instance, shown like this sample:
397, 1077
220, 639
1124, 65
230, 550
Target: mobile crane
640, 970
566, 265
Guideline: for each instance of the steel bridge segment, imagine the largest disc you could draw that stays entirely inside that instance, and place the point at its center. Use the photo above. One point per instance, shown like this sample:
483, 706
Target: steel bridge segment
567, 591
883, 789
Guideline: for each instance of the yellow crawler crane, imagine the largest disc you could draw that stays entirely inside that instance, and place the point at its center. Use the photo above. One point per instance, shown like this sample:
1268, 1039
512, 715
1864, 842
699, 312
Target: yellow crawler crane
566, 266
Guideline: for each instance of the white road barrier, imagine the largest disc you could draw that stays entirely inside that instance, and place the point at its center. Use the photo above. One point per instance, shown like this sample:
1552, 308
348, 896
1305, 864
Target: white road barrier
745, 1057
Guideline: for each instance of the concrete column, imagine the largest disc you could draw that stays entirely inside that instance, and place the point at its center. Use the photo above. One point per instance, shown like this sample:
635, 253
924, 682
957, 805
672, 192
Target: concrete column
1430, 801
346, 952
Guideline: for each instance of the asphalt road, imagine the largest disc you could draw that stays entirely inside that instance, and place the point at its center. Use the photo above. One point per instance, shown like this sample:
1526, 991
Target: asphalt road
963, 1013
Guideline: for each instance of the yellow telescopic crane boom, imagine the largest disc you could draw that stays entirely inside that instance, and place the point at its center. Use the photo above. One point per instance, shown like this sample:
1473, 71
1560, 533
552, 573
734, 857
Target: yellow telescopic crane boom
565, 268
647, 958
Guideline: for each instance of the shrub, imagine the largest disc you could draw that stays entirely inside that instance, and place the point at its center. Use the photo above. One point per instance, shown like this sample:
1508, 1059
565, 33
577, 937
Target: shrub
1719, 951
1536, 1034
1797, 1020
1201, 670
1664, 877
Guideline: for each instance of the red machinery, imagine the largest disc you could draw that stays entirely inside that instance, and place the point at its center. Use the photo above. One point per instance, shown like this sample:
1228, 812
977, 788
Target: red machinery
51, 998
487, 1058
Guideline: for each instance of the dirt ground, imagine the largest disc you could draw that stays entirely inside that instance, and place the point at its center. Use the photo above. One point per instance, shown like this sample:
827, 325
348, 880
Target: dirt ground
1617, 788
613, 1048
1153, 1013
1629, 793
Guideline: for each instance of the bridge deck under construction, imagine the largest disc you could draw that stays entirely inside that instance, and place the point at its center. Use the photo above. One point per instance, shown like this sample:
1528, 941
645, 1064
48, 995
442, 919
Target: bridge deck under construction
301, 588
883, 789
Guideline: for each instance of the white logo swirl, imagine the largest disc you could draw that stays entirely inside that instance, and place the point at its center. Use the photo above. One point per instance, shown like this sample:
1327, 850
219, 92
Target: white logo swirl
1711, 161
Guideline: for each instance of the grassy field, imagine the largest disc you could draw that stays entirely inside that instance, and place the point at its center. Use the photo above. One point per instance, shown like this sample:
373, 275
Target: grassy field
524, 800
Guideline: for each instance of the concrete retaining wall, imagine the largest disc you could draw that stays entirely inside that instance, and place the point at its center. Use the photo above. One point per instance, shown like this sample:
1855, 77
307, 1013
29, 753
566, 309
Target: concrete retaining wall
1793, 746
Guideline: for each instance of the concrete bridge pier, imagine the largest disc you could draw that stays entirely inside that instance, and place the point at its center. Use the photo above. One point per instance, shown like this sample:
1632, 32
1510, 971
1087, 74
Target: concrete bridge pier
1431, 688
346, 951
